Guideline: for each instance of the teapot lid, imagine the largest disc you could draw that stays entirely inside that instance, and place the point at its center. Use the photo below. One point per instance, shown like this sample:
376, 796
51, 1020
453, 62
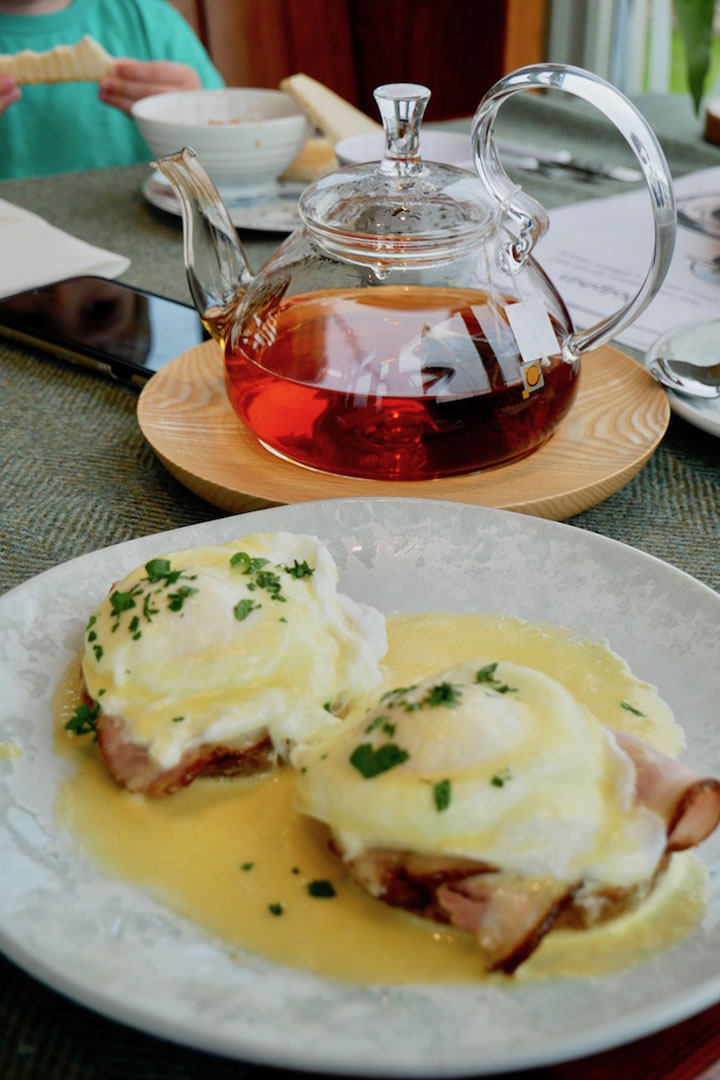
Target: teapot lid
401, 206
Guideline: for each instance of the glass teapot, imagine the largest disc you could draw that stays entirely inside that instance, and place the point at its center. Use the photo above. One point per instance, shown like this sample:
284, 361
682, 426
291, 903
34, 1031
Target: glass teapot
405, 331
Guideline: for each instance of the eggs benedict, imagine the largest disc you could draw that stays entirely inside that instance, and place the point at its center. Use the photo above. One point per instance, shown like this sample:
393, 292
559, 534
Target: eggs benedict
220, 659
488, 797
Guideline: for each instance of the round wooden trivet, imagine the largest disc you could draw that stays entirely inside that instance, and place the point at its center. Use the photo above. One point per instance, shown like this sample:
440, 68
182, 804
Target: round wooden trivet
619, 417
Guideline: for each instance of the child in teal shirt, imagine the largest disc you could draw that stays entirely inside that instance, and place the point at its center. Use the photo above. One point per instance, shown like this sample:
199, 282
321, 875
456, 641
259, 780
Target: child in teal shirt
62, 127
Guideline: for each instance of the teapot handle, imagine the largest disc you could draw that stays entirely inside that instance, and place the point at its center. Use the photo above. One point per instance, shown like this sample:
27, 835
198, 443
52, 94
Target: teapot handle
532, 219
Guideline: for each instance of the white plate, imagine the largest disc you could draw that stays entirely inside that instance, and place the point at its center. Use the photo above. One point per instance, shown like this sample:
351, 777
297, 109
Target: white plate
276, 212
107, 945
448, 147
688, 342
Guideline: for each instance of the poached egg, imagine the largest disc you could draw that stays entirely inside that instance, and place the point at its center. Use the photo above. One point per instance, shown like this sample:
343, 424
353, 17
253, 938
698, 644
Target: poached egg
217, 645
489, 761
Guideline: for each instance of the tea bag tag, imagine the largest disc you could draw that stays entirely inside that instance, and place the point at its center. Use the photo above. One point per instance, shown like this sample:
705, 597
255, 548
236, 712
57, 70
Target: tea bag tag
535, 337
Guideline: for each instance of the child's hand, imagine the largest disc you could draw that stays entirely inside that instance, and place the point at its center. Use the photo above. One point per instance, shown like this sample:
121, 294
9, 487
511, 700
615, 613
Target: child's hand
9, 92
134, 79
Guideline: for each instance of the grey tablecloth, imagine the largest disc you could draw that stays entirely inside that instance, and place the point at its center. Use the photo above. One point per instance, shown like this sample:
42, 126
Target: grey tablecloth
77, 475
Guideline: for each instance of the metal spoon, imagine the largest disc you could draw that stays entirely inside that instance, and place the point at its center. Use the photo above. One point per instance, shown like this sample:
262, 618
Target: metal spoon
695, 380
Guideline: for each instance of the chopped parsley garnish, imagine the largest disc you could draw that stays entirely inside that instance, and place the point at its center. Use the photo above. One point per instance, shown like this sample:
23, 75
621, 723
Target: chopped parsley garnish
91, 621
84, 720
327, 706
261, 578
247, 866
393, 696
276, 909
177, 599
156, 569
121, 601
376, 723
247, 564
487, 675
98, 650
371, 762
148, 610
243, 608
443, 694
322, 889
295, 870
92, 636
299, 569
265, 579
501, 778
631, 708
178, 719
159, 570
388, 728
442, 793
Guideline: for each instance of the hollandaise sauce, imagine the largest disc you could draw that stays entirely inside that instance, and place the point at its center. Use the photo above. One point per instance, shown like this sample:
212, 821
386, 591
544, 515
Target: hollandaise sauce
236, 857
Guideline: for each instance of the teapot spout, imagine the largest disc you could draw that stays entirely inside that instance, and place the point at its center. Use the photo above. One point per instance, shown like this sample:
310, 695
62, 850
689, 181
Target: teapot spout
218, 272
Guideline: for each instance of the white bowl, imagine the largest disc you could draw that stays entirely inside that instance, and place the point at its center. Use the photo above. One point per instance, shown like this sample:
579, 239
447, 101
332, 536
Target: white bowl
245, 138
446, 147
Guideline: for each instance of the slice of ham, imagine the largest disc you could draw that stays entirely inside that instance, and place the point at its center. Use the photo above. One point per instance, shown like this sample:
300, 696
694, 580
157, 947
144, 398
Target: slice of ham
410, 881
508, 914
132, 767
688, 802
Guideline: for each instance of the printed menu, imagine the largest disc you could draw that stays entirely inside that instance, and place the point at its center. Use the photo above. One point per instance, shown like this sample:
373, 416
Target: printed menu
598, 252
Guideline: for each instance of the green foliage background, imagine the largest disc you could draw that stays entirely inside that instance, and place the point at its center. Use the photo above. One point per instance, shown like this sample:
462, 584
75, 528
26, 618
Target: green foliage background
694, 20
678, 72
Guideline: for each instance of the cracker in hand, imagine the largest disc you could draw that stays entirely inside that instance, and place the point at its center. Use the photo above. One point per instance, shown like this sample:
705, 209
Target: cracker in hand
86, 61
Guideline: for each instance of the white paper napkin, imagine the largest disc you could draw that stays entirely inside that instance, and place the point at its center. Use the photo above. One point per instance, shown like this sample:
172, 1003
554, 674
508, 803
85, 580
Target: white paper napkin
33, 252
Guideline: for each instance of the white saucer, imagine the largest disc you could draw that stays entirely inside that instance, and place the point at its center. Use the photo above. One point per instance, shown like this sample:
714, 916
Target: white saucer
690, 342
446, 147
700, 212
275, 212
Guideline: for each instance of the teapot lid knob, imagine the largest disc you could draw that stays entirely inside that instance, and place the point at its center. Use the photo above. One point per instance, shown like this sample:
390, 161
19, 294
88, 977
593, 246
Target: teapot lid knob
401, 210
402, 106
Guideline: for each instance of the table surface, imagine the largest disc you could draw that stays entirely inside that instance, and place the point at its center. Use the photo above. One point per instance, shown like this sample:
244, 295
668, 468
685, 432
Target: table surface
77, 475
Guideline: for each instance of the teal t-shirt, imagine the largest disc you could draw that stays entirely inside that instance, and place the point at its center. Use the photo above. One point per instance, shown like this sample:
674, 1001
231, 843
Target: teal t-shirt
65, 127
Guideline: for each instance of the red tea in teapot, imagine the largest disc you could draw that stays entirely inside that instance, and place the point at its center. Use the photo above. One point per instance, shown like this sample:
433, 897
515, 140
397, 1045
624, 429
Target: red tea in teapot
393, 382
